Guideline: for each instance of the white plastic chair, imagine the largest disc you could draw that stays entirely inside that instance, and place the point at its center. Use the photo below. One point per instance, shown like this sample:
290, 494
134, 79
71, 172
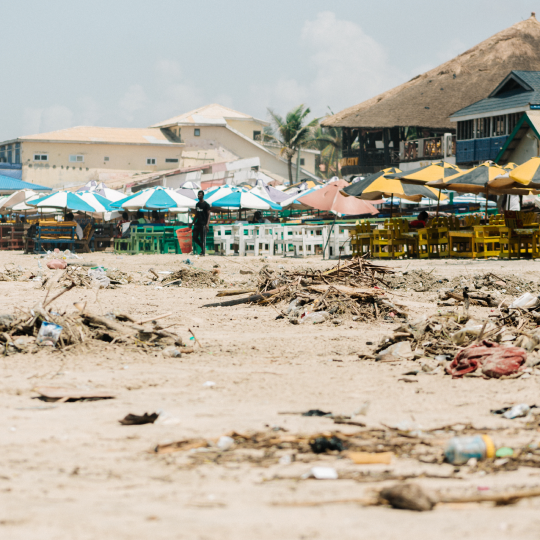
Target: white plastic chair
224, 240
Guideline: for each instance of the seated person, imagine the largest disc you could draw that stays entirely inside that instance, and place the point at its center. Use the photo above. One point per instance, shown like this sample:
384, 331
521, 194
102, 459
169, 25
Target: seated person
139, 218
122, 225
420, 222
157, 217
258, 218
78, 229
3, 219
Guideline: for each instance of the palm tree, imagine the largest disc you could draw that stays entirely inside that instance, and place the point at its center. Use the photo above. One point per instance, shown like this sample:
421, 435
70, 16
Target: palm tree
328, 141
292, 133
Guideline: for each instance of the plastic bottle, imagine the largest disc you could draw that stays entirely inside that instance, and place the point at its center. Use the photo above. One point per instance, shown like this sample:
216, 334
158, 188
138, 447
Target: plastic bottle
460, 449
517, 411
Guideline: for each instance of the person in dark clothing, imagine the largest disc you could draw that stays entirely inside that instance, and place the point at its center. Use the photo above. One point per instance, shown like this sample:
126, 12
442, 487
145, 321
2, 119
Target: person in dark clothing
201, 222
420, 221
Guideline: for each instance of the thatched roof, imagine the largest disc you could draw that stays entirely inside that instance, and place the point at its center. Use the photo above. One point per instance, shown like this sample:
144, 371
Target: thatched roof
429, 99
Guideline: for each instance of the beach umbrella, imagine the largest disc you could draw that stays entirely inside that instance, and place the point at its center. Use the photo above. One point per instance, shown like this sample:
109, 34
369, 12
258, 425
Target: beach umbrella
25, 207
378, 185
154, 198
329, 198
429, 173
219, 192
305, 184
241, 199
89, 186
527, 174
293, 202
17, 197
270, 193
190, 184
66, 200
189, 193
112, 194
101, 205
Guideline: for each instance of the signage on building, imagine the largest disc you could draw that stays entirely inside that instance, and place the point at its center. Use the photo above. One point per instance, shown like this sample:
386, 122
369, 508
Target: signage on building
348, 162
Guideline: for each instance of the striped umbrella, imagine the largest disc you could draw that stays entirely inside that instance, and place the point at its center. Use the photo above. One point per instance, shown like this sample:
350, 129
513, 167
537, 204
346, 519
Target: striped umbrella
527, 174
154, 198
66, 200
429, 173
244, 200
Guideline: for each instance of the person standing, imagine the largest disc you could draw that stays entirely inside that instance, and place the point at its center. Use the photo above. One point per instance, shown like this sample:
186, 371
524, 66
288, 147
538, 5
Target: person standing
201, 222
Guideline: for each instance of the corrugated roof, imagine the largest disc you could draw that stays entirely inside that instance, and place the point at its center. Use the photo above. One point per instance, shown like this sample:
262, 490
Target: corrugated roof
514, 99
429, 99
12, 184
92, 134
209, 114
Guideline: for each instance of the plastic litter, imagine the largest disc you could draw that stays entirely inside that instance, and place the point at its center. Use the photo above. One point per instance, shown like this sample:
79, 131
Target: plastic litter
525, 301
56, 264
99, 277
48, 334
225, 443
461, 449
401, 349
321, 473
504, 452
517, 411
209, 384
315, 317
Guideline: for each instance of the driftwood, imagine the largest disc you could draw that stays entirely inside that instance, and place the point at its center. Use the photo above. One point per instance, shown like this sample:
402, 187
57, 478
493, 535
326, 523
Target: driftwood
235, 292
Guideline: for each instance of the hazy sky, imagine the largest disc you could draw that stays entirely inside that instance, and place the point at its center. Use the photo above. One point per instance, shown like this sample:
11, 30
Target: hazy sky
133, 63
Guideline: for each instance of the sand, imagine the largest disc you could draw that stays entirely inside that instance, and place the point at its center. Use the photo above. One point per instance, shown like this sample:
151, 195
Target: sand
71, 471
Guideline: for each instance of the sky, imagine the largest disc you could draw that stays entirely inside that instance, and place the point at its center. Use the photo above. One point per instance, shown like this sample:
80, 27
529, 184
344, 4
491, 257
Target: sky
133, 63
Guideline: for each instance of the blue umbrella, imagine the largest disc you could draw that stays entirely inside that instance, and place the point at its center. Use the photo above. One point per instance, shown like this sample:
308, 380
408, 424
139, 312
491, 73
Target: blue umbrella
66, 200
155, 198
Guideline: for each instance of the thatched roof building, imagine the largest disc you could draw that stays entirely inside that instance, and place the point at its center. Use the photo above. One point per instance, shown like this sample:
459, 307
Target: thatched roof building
429, 99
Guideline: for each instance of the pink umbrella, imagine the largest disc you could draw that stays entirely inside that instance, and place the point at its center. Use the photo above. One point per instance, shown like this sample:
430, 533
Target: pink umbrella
330, 199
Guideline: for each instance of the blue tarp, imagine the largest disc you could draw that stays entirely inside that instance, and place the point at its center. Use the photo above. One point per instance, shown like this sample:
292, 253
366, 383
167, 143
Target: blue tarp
12, 184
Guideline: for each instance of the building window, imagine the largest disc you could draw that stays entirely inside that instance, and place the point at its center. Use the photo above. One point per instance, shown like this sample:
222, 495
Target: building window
256, 135
197, 132
41, 157
498, 126
150, 161
513, 120
482, 127
106, 158
465, 130
171, 160
77, 158
302, 161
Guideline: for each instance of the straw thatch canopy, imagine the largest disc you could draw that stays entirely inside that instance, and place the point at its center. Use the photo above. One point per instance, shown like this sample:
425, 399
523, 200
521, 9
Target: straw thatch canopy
429, 99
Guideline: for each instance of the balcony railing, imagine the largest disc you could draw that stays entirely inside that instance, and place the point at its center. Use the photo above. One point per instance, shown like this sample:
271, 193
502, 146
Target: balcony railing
429, 148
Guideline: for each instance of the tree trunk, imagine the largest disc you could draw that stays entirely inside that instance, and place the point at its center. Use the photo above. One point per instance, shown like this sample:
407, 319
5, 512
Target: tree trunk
289, 164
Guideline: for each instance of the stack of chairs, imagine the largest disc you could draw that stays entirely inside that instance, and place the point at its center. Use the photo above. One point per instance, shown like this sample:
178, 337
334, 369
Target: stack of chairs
461, 240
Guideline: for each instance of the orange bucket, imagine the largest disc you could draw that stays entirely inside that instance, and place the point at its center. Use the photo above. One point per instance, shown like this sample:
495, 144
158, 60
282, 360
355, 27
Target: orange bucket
184, 239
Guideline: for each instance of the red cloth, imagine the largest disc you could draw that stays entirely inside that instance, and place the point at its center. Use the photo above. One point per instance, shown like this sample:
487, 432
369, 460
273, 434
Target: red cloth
496, 360
417, 224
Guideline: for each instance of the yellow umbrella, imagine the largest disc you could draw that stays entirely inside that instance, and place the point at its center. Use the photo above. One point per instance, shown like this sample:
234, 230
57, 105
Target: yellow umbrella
429, 173
527, 174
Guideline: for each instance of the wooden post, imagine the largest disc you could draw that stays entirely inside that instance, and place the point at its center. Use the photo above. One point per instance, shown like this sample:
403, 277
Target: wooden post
386, 147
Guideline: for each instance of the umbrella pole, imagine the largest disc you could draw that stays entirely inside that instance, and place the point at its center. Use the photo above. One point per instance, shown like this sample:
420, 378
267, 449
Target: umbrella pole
438, 202
329, 235
487, 200
391, 205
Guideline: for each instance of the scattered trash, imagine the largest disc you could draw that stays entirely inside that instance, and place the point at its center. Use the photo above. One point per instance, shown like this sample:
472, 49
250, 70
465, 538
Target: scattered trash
525, 301
61, 394
136, 420
504, 452
496, 360
322, 473
397, 351
368, 458
517, 411
316, 412
209, 384
56, 264
225, 443
321, 445
48, 334
461, 449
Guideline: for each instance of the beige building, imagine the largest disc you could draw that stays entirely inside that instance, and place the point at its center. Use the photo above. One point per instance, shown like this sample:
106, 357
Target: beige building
212, 134
71, 157
216, 133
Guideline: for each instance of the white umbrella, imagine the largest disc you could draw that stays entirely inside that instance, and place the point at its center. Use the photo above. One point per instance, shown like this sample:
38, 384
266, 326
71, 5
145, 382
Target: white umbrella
66, 200
245, 200
111, 194
17, 197
189, 184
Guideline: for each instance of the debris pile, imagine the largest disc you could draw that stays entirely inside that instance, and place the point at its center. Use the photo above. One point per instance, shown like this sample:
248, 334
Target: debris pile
30, 331
13, 274
348, 290
195, 278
